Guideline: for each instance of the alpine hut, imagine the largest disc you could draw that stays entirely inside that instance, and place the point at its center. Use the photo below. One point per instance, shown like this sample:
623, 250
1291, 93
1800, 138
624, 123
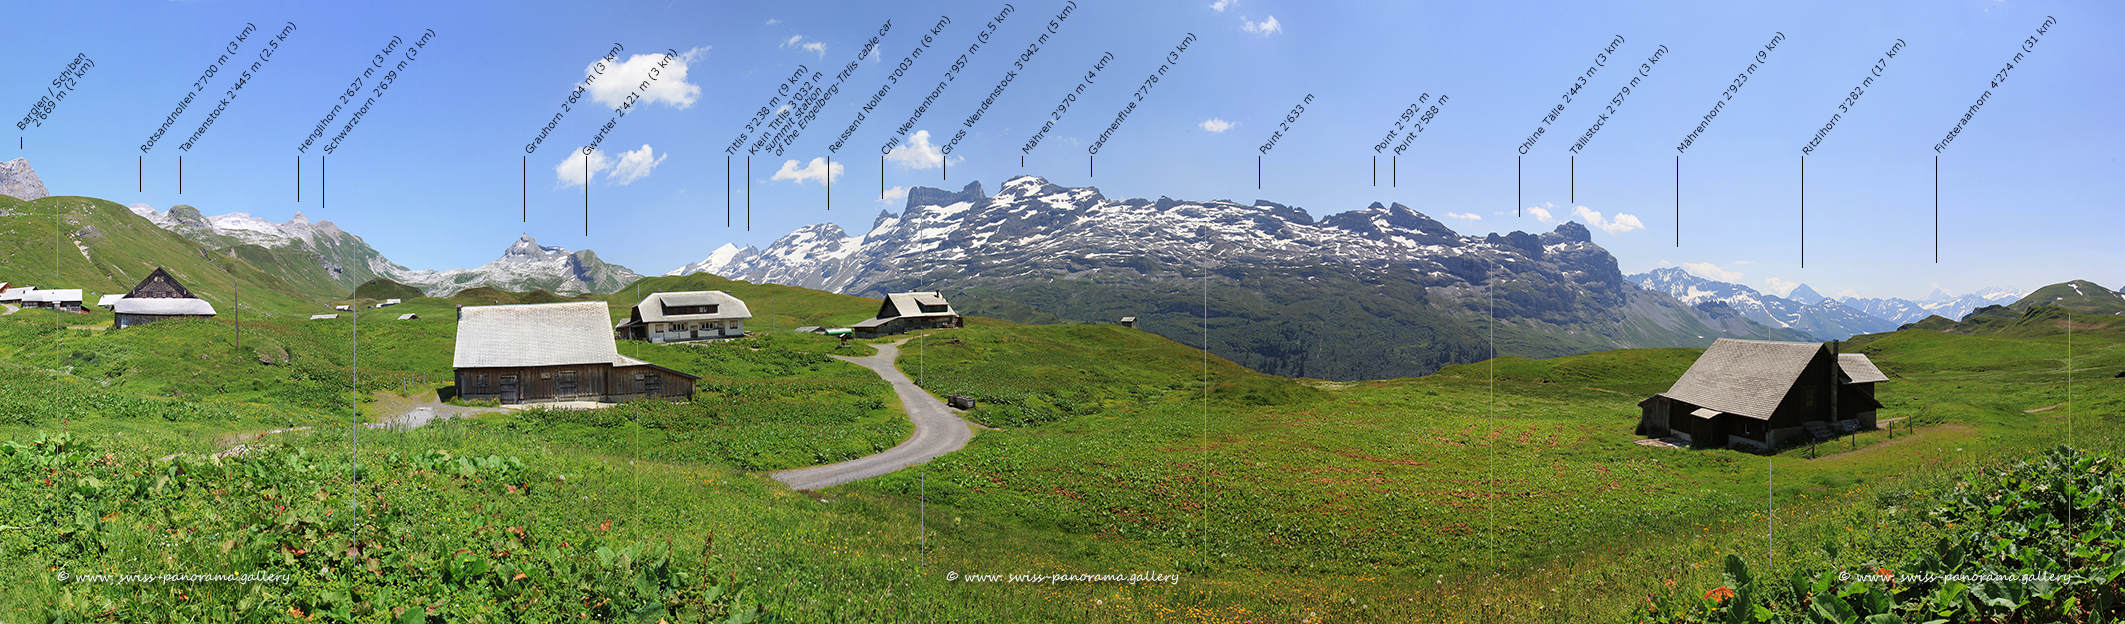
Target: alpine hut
553, 352
1756, 393
901, 312
158, 297
684, 317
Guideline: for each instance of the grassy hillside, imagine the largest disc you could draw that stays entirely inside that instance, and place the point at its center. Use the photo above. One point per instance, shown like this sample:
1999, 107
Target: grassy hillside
1634, 372
1346, 323
1270, 499
487, 295
102, 248
1356, 502
1025, 375
383, 288
2036, 322
2080, 296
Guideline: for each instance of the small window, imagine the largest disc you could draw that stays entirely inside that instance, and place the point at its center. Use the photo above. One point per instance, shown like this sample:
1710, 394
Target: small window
480, 380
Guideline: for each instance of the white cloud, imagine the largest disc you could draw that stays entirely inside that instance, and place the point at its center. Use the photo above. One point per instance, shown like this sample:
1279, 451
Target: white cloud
1622, 223
1217, 125
635, 165
1780, 287
895, 194
1712, 271
1221, 5
1847, 293
815, 172
798, 42
1542, 214
1469, 216
1265, 27
772, 21
916, 153
570, 172
623, 78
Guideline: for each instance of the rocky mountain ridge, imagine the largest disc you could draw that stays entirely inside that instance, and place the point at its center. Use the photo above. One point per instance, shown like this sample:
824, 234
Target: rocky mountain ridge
19, 181
1384, 291
524, 265
1802, 309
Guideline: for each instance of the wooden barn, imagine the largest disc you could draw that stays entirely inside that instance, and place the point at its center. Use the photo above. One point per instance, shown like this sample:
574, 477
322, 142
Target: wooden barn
158, 297
1757, 394
553, 352
684, 317
64, 300
11, 294
901, 312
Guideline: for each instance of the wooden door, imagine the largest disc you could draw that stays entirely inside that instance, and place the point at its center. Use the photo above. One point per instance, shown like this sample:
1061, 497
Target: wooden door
565, 384
509, 390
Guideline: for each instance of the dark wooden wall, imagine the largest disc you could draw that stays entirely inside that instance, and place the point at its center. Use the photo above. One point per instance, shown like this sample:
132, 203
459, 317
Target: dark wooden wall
593, 382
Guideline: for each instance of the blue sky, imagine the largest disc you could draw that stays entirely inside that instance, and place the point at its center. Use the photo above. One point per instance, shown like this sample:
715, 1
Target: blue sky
436, 174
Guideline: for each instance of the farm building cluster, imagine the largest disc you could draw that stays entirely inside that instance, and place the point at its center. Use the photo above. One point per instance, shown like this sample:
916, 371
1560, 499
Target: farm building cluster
157, 297
530, 353
1758, 394
27, 297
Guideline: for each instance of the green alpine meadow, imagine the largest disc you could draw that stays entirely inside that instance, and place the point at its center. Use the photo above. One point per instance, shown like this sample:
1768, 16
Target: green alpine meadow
284, 460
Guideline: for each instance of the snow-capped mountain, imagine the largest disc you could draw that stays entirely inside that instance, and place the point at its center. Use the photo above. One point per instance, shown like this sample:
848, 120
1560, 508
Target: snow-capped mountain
346, 259
526, 265
243, 228
1380, 292
713, 264
1940, 303
1040, 225
349, 260
1803, 309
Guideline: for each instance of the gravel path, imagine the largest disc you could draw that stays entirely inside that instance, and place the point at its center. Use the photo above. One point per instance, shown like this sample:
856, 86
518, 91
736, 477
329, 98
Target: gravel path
412, 414
938, 430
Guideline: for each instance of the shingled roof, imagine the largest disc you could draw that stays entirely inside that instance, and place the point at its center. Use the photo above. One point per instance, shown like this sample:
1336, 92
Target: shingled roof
1744, 377
164, 307
910, 304
53, 296
651, 310
1859, 368
542, 334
